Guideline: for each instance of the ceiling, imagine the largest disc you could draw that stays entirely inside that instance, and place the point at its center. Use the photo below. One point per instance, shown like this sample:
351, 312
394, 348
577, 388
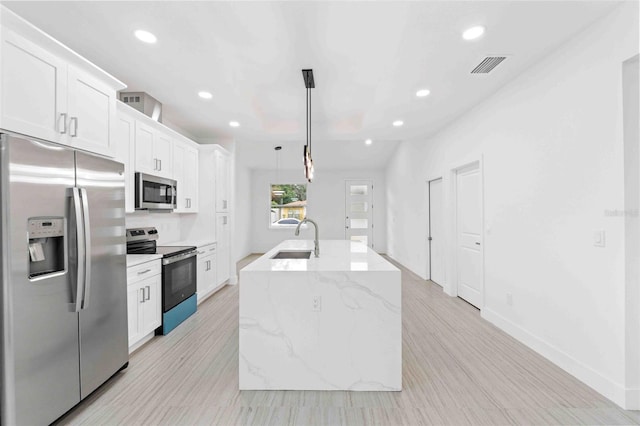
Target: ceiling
368, 58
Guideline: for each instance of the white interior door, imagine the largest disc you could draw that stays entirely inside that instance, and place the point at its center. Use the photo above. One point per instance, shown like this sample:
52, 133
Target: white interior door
468, 234
436, 233
358, 211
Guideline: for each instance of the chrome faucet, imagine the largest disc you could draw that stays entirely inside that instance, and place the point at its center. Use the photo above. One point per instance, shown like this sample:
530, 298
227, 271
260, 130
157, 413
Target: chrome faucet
316, 249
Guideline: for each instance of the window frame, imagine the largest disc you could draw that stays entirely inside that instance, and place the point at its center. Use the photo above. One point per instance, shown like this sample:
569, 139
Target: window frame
287, 227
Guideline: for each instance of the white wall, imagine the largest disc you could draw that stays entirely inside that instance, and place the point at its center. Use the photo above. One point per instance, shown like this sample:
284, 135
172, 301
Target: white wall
552, 151
325, 197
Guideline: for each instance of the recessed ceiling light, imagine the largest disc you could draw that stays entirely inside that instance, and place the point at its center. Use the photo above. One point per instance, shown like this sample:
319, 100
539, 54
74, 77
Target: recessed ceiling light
422, 93
205, 95
473, 33
234, 124
398, 123
145, 36
368, 142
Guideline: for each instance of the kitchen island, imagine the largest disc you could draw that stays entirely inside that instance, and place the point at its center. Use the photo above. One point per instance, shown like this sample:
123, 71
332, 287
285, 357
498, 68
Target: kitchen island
327, 323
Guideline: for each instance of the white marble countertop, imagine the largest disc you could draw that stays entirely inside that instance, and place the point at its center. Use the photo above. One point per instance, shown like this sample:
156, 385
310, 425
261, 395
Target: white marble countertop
335, 255
137, 259
197, 243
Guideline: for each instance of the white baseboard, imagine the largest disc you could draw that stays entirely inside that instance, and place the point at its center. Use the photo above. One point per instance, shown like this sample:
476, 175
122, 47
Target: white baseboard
633, 399
608, 388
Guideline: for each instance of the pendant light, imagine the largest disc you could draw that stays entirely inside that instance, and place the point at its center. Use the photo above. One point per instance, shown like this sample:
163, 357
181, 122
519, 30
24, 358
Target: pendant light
309, 84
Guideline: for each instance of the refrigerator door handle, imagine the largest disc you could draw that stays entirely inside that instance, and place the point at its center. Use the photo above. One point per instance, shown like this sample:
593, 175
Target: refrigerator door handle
80, 250
87, 249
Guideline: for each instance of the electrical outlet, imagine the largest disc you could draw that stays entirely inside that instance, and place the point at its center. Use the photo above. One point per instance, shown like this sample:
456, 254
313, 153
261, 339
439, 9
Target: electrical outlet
316, 303
598, 238
509, 299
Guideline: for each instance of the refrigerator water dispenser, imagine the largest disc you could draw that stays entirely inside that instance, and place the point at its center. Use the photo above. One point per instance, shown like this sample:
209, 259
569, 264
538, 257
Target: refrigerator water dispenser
47, 246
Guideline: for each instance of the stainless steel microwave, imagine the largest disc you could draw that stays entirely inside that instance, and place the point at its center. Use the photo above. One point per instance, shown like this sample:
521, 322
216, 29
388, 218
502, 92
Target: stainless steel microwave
155, 193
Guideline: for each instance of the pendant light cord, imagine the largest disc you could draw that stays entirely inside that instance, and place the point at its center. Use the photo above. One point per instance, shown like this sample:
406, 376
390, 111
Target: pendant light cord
309, 121
308, 146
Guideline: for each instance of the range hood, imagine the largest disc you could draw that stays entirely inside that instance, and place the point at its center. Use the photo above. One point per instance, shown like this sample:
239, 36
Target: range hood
144, 103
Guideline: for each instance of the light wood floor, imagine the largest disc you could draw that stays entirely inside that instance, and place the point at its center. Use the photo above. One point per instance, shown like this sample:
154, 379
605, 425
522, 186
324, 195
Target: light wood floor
458, 369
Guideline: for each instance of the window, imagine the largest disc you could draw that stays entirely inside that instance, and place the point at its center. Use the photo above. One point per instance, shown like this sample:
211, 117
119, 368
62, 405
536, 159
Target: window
288, 205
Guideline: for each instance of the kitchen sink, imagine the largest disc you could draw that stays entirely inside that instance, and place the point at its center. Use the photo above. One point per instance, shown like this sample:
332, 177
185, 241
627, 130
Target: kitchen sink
290, 254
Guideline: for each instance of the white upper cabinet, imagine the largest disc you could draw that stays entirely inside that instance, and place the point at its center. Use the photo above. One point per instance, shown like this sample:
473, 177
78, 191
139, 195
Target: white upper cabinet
91, 105
153, 150
51, 93
178, 174
125, 143
191, 178
185, 172
159, 151
34, 89
222, 182
162, 150
145, 160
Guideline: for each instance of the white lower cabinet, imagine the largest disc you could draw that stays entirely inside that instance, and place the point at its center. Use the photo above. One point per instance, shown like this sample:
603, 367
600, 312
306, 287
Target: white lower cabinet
207, 266
144, 298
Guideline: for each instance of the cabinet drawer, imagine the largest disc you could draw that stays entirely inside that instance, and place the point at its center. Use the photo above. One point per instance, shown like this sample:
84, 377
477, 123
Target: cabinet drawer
143, 271
207, 250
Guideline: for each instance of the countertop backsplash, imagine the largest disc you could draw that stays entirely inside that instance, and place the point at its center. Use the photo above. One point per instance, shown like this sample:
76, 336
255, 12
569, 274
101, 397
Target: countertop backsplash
167, 224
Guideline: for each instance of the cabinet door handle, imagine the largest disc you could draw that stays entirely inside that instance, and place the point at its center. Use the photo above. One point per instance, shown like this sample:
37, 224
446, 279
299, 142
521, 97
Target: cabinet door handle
224, 204
144, 272
148, 292
160, 161
224, 220
142, 290
63, 128
155, 164
74, 120
212, 249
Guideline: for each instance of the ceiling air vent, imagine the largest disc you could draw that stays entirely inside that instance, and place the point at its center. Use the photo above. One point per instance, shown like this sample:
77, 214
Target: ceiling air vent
488, 64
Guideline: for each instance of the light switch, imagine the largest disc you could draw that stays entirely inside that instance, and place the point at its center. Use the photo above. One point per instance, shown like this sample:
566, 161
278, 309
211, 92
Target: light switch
598, 238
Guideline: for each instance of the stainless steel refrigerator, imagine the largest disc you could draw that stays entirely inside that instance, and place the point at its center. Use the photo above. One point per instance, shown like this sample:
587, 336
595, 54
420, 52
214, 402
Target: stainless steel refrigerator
63, 267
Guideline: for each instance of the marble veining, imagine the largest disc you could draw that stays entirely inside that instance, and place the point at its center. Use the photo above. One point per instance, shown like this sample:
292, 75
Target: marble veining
308, 324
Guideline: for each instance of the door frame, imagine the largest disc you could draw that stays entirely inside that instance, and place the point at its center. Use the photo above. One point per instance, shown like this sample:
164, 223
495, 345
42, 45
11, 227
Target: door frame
452, 287
370, 183
428, 231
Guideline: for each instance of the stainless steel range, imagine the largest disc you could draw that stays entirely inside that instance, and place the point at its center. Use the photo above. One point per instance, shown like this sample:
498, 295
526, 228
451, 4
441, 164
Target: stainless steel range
179, 266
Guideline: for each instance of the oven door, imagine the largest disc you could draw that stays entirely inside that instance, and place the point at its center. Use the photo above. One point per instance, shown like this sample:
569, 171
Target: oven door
155, 193
178, 279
